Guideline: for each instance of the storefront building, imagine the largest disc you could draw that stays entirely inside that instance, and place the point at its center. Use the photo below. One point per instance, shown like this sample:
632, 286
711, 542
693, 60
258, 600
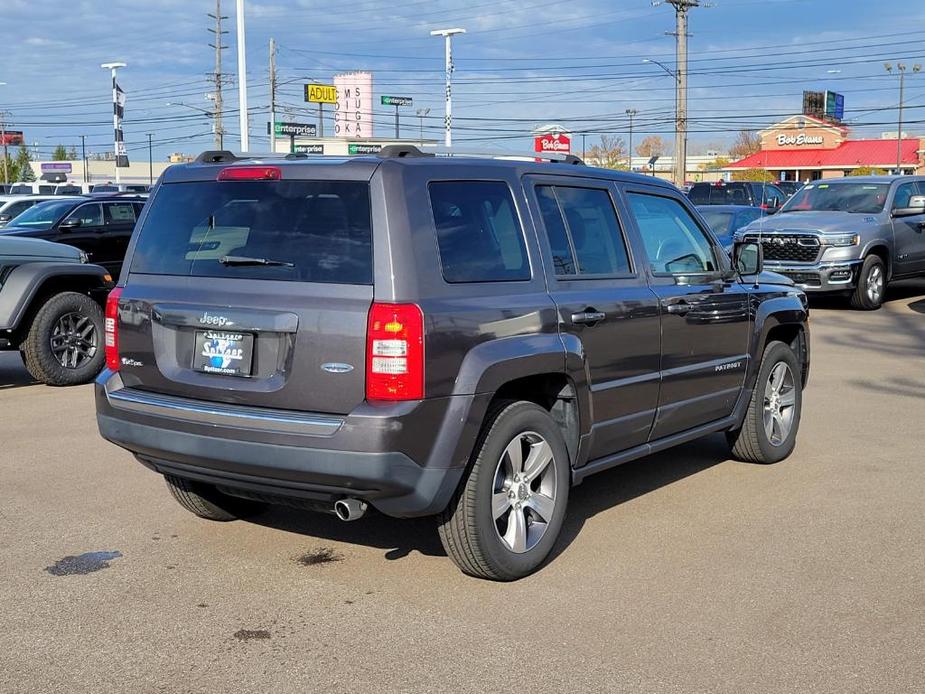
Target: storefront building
803, 148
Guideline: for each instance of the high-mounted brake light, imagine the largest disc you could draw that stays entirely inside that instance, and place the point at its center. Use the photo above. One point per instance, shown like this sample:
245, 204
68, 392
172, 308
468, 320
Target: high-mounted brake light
395, 352
250, 173
111, 329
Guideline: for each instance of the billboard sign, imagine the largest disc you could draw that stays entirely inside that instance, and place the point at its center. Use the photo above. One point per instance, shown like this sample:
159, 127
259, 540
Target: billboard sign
814, 104
835, 105
396, 100
56, 167
321, 93
552, 142
294, 129
362, 148
353, 112
11, 137
309, 149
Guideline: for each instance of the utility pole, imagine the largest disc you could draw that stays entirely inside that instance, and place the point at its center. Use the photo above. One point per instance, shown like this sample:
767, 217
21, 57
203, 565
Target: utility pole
447, 35
631, 112
6, 172
217, 76
150, 161
681, 8
583, 149
242, 78
901, 68
421, 112
83, 156
273, 97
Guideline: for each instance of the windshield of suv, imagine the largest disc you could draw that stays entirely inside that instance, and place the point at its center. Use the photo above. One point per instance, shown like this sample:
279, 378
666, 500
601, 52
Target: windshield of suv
839, 197
43, 215
308, 231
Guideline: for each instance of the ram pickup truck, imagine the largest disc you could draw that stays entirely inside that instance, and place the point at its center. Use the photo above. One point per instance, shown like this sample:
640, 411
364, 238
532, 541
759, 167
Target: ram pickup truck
458, 337
51, 309
851, 236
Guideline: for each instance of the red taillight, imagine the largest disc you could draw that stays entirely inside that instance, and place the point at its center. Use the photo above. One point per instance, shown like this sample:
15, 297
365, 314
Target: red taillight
395, 352
111, 329
250, 173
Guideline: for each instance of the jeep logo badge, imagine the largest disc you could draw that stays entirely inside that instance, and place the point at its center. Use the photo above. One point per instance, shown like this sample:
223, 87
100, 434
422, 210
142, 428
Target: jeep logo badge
220, 321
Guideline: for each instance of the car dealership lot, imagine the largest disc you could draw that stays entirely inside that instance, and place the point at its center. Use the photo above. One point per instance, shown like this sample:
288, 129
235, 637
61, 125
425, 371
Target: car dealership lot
680, 572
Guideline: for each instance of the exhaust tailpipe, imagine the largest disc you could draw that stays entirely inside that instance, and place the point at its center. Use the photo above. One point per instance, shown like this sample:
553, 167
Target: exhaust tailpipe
350, 509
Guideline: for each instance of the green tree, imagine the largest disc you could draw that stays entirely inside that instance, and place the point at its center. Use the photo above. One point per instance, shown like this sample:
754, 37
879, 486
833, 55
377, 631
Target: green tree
760, 175
8, 170
60, 154
716, 164
24, 165
866, 171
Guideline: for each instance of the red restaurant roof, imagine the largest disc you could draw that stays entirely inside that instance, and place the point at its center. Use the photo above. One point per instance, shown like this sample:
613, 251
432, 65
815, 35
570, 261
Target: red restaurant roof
847, 154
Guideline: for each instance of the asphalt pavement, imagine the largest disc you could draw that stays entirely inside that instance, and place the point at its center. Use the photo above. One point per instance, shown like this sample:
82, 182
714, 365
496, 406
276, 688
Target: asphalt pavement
681, 572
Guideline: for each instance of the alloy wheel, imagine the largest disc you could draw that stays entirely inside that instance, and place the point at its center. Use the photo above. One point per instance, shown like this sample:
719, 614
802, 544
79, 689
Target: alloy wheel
74, 340
524, 492
875, 284
779, 404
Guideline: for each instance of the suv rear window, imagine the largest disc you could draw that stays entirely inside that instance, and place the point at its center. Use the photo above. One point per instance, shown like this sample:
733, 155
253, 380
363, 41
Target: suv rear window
722, 194
478, 232
312, 231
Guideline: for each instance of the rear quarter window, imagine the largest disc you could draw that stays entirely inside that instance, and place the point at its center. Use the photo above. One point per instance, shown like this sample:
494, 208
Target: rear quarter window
314, 231
478, 232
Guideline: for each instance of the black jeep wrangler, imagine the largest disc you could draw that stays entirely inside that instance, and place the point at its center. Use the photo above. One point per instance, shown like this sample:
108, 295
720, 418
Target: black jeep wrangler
459, 337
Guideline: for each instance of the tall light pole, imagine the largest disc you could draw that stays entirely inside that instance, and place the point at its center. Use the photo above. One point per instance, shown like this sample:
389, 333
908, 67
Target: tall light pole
150, 160
447, 35
421, 113
901, 68
677, 116
242, 77
6, 173
631, 112
119, 146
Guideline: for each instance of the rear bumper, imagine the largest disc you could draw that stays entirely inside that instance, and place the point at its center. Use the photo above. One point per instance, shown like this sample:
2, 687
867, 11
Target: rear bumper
834, 276
375, 456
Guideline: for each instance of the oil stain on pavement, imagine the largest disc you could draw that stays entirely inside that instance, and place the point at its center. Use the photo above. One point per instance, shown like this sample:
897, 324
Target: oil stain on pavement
251, 634
322, 555
85, 563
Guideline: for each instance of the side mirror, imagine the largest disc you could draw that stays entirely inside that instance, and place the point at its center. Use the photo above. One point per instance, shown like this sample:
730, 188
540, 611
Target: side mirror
5, 218
747, 257
916, 206
72, 223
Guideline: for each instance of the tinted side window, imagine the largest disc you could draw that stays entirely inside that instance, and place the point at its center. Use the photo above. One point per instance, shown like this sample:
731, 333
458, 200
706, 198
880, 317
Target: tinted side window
904, 194
18, 207
673, 241
89, 215
478, 232
119, 213
563, 257
700, 194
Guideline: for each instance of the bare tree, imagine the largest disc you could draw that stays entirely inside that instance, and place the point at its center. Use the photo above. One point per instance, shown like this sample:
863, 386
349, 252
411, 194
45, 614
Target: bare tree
652, 146
609, 154
746, 143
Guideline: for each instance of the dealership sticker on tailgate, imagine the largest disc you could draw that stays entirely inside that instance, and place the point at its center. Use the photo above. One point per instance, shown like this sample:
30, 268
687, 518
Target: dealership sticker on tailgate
225, 353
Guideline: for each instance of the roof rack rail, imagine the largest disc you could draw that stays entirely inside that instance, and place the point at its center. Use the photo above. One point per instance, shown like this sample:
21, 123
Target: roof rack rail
402, 151
555, 157
220, 156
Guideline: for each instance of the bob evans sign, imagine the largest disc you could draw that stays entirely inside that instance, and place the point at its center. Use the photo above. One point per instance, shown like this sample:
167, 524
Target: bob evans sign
552, 143
800, 140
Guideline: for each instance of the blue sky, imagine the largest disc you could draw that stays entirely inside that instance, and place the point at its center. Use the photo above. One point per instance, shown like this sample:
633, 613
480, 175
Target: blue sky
522, 63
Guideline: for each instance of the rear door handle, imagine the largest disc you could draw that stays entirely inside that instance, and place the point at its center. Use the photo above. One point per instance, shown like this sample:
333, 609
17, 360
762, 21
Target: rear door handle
678, 308
589, 317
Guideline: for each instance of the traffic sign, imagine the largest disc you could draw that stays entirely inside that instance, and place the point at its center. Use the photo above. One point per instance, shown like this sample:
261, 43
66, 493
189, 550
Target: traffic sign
321, 93
294, 129
396, 100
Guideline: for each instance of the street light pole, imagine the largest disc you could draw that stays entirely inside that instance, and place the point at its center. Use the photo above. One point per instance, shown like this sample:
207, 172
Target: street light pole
242, 78
631, 112
116, 119
901, 68
150, 161
421, 112
447, 35
677, 110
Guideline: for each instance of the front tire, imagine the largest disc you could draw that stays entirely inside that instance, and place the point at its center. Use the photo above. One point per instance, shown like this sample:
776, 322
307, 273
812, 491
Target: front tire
868, 295
769, 432
64, 345
506, 516
207, 502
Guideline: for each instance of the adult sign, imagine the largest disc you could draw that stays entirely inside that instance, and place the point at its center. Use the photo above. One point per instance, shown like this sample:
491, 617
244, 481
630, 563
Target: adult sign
552, 142
321, 93
396, 100
294, 129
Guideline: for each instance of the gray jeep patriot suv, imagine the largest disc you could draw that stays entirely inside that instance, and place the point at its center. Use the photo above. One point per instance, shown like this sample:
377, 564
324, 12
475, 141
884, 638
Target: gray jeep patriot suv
436, 335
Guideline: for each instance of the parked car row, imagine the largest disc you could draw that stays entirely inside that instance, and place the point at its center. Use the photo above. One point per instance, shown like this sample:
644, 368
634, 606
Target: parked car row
70, 188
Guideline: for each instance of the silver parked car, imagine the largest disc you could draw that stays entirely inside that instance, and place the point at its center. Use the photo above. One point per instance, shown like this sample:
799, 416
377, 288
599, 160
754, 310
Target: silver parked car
852, 235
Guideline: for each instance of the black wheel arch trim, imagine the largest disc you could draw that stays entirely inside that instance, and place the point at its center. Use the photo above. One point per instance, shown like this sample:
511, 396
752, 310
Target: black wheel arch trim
25, 282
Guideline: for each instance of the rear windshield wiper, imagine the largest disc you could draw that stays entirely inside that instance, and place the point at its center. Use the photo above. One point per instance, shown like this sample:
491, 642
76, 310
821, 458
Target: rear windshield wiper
245, 260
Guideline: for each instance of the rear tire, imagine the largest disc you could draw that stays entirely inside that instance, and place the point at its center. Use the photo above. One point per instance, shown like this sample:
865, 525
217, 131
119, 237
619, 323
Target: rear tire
868, 295
64, 345
769, 432
506, 516
207, 502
